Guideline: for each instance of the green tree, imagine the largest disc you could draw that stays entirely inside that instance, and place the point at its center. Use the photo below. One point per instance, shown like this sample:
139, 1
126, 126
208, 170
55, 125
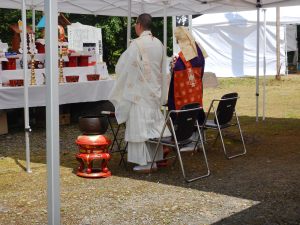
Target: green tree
8, 17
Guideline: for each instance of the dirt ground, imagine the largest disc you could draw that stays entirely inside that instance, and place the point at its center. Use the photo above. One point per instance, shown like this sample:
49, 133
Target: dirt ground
261, 187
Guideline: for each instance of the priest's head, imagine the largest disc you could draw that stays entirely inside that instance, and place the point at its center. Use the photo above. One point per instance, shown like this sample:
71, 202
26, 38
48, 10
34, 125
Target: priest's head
143, 23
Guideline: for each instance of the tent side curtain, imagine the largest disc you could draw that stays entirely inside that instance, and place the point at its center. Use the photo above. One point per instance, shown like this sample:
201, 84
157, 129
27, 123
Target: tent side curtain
230, 41
232, 49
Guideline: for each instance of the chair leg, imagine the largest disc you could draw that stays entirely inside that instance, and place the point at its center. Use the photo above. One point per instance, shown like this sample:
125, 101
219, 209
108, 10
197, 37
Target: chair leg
114, 134
155, 153
223, 144
242, 137
175, 160
181, 163
123, 153
203, 135
203, 150
116, 138
205, 160
118, 142
159, 142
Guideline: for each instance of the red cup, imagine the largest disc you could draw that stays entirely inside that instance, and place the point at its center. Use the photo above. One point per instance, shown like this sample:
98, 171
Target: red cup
73, 78
73, 61
10, 64
83, 60
40, 48
16, 82
91, 77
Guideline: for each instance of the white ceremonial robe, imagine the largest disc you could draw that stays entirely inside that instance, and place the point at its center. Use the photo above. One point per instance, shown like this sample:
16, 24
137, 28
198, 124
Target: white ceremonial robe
138, 93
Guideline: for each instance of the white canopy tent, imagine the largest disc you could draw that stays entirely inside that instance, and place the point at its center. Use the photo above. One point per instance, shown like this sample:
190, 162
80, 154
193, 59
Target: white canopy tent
154, 7
230, 40
106, 7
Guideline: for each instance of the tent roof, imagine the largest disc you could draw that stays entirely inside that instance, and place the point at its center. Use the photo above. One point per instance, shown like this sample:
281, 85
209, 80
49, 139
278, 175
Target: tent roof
288, 15
154, 7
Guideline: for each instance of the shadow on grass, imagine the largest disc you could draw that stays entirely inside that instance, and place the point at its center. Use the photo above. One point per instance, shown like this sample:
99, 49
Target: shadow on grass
269, 172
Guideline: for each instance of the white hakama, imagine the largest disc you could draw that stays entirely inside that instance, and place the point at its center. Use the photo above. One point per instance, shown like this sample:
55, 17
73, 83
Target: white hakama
143, 123
138, 94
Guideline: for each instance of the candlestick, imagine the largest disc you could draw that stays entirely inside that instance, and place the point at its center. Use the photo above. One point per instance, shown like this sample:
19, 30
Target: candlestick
32, 77
61, 72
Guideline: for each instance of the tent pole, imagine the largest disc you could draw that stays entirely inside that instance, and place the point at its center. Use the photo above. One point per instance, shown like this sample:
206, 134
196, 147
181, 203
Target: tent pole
26, 108
33, 20
285, 51
278, 41
165, 53
52, 113
258, 5
264, 82
297, 52
129, 23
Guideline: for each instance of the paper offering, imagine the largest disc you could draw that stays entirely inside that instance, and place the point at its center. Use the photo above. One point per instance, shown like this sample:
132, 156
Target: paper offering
83, 38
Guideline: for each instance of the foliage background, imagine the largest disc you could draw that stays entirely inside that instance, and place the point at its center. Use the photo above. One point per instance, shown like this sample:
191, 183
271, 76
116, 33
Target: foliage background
114, 31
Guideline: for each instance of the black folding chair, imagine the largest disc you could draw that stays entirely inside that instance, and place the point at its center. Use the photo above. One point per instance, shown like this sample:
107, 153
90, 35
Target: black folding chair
182, 130
223, 119
118, 143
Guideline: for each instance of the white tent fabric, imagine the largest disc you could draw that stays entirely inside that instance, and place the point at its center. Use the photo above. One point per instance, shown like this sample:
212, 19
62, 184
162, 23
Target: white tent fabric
230, 41
154, 7
232, 49
291, 37
288, 15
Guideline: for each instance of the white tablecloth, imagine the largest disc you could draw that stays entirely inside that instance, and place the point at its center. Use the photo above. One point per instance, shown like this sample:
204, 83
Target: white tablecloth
89, 91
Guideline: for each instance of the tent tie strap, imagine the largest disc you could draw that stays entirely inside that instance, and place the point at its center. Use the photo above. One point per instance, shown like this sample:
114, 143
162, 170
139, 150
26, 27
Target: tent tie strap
28, 129
258, 4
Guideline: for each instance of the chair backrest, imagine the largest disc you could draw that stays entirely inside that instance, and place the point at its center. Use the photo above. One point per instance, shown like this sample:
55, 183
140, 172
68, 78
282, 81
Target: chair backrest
185, 121
226, 108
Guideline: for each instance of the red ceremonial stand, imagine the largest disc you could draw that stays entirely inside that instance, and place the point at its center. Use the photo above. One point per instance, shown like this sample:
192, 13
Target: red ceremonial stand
93, 148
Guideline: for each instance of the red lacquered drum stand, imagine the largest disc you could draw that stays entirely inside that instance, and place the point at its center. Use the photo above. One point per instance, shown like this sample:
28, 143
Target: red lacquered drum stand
93, 148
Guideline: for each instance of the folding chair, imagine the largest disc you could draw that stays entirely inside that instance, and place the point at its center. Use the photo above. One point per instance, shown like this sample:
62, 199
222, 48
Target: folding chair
182, 130
117, 141
222, 119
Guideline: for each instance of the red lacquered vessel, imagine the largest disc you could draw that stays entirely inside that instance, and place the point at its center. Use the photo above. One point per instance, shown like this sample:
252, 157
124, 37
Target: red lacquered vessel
10, 64
93, 150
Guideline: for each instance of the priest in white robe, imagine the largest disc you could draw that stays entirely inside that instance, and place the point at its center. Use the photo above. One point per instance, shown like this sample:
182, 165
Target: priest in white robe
139, 92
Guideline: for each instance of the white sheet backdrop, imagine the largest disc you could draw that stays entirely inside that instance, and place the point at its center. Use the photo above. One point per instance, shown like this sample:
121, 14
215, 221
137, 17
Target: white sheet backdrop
230, 41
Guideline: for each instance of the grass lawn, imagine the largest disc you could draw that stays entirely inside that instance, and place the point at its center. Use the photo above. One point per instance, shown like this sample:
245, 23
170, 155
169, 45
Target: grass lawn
282, 97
